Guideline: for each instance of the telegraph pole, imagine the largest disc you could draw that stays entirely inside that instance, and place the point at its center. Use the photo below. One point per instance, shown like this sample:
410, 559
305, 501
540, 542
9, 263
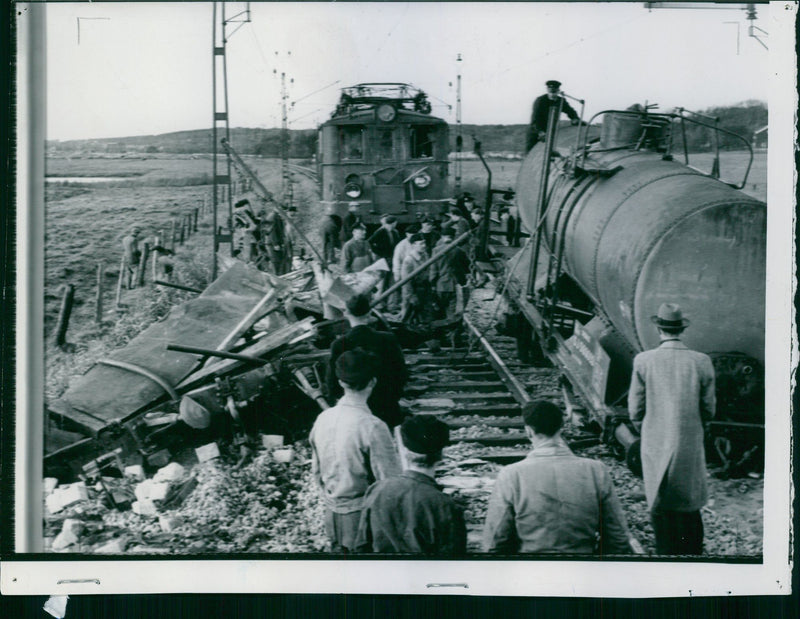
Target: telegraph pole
459, 138
221, 124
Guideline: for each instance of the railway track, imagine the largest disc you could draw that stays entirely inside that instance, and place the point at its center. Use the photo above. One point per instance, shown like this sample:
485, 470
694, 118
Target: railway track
478, 392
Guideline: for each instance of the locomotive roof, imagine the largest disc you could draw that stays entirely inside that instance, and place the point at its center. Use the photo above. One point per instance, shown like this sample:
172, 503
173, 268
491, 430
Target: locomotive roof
405, 98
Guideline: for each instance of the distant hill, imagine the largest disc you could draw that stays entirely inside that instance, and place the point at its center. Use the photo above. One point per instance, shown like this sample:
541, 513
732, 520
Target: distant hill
744, 118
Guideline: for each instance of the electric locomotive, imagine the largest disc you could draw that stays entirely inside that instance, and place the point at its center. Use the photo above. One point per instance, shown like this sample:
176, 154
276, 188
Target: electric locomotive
383, 149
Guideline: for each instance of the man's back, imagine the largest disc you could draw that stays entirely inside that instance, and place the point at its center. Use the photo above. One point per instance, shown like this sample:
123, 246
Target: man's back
554, 501
410, 514
672, 393
350, 450
392, 374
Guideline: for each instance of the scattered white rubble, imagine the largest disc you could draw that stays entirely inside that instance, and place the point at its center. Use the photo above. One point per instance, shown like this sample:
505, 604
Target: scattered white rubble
144, 507
49, 484
207, 452
169, 523
272, 440
70, 531
151, 490
172, 472
135, 472
65, 496
113, 547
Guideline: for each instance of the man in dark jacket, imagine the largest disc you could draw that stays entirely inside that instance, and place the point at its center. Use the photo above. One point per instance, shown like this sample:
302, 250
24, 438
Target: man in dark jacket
331, 228
382, 242
351, 219
541, 112
409, 513
391, 373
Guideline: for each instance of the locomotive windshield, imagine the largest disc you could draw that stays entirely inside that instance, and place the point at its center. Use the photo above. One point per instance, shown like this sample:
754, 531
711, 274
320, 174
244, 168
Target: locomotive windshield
387, 147
422, 137
351, 142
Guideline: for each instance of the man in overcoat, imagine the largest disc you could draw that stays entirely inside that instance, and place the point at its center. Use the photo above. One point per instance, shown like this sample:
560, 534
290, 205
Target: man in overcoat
672, 397
541, 112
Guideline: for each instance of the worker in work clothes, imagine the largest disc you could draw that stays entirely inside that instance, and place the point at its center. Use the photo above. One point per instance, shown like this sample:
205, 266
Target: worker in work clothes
416, 296
671, 398
383, 241
350, 449
351, 218
554, 501
331, 229
132, 254
541, 113
459, 224
273, 235
356, 253
402, 250
245, 231
447, 275
391, 372
409, 513
430, 233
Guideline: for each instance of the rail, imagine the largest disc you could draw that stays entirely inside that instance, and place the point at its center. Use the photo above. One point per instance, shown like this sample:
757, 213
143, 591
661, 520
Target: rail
682, 120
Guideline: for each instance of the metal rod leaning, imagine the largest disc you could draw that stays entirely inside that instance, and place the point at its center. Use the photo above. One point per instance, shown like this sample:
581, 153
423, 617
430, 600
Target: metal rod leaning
268, 197
396, 286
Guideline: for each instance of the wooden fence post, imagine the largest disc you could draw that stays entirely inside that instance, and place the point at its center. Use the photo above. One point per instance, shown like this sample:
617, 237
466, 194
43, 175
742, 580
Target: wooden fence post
196, 215
183, 231
122, 269
64, 314
142, 266
157, 242
172, 235
98, 315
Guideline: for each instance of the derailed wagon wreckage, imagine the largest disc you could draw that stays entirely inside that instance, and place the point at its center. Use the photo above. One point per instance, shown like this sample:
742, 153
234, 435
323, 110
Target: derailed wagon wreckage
247, 355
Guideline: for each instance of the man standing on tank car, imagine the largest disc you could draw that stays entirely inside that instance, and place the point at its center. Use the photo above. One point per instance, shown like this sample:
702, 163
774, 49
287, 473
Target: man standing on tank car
554, 501
409, 513
541, 112
391, 370
350, 449
671, 398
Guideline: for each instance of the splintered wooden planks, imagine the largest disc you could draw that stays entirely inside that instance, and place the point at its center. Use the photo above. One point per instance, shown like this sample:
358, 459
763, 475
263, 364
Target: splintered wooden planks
111, 393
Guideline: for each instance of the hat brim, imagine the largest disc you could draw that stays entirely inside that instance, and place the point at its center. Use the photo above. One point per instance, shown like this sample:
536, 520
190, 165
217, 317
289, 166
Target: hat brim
669, 324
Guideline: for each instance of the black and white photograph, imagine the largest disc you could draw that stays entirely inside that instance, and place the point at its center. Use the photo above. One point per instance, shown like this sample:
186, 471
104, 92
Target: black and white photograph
465, 298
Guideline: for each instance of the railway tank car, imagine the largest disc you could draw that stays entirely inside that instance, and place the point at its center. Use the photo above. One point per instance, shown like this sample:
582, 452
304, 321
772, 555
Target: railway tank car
383, 149
618, 226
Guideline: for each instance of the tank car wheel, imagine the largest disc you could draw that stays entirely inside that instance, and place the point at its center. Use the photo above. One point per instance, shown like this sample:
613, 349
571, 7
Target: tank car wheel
633, 457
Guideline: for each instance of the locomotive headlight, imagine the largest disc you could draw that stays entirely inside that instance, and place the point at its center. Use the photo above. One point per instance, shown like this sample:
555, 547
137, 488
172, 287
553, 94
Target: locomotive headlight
422, 180
353, 186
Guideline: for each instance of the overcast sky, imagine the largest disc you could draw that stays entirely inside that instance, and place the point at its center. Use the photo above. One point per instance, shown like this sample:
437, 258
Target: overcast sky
146, 68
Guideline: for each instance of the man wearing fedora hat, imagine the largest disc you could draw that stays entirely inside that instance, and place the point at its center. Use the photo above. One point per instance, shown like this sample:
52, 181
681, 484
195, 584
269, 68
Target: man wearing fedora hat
671, 398
350, 449
409, 513
541, 112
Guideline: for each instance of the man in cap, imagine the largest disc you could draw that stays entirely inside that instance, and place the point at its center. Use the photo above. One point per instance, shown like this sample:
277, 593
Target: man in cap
409, 513
671, 398
402, 249
349, 222
331, 228
245, 231
356, 253
554, 501
416, 297
448, 274
130, 248
390, 366
541, 113
383, 241
350, 449
430, 233
273, 235
457, 221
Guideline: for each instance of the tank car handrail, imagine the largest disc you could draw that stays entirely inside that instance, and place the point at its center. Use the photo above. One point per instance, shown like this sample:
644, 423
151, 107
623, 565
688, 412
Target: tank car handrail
583, 151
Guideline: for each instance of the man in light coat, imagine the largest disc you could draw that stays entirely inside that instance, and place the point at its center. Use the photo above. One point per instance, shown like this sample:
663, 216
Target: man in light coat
672, 397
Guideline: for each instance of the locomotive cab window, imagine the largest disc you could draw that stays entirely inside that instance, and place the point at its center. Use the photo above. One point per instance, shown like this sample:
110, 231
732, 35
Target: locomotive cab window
422, 137
386, 145
351, 142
